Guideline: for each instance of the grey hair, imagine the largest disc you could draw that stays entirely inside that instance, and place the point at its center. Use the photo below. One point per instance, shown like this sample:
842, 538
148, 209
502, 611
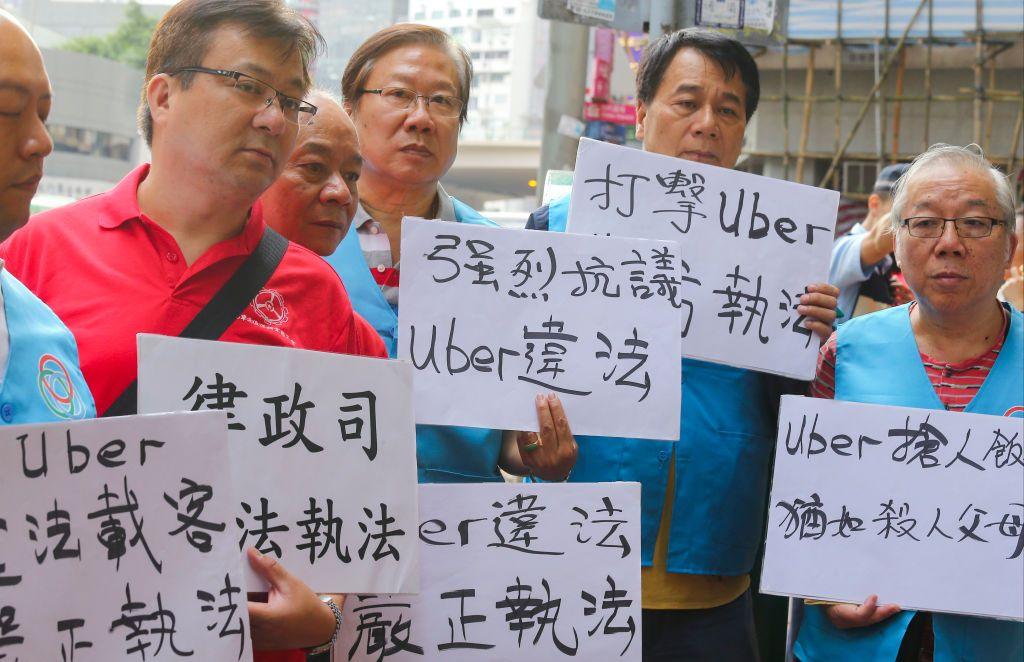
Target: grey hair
970, 156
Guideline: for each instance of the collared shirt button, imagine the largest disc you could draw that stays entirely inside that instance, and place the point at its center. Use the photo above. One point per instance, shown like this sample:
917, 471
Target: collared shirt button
381, 268
374, 229
662, 455
7, 412
172, 257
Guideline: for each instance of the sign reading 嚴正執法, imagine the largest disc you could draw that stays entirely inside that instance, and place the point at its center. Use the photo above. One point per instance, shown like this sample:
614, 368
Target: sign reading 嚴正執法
490, 318
894, 497
323, 453
511, 571
116, 542
749, 245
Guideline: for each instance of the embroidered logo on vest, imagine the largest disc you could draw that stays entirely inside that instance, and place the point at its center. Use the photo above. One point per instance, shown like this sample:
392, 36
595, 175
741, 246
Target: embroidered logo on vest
269, 304
58, 390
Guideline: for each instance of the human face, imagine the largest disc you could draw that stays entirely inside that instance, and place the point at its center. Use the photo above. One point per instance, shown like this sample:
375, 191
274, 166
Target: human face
696, 114
212, 131
314, 200
951, 275
410, 147
24, 107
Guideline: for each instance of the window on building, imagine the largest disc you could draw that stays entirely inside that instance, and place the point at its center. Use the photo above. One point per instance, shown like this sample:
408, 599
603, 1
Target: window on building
437, 13
485, 13
419, 16
500, 99
455, 13
496, 55
87, 141
510, 11
457, 31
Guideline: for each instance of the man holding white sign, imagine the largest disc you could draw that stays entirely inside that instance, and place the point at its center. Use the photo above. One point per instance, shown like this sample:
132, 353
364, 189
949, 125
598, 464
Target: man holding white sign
955, 348
703, 500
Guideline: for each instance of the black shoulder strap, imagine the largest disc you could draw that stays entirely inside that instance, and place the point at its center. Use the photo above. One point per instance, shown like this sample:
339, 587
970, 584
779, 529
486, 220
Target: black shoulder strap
223, 308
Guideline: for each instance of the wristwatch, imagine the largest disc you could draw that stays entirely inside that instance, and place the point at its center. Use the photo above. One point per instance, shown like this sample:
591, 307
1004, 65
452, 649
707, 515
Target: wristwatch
327, 647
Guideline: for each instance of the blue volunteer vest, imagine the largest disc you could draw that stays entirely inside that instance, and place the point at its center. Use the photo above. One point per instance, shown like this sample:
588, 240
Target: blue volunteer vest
722, 461
444, 454
42, 382
877, 361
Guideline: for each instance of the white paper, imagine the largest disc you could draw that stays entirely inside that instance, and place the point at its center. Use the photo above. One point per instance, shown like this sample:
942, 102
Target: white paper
741, 307
528, 312
348, 505
69, 492
938, 496
516, 549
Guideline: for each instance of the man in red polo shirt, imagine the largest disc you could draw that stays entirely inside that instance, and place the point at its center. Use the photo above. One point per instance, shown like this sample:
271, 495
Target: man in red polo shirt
221, 107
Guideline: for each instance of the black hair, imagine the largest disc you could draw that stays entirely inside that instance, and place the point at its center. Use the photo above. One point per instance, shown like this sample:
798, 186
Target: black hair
728, 54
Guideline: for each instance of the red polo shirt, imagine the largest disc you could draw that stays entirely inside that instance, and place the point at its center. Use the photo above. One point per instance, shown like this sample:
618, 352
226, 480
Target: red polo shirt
110, 273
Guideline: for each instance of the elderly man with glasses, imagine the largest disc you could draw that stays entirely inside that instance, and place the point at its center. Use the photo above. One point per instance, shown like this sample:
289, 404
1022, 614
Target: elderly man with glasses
955, 348
221, 107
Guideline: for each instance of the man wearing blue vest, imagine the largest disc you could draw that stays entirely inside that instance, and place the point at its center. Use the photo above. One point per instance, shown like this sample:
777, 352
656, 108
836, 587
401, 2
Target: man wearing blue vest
407, 89
703, 497
41, 380
956, 348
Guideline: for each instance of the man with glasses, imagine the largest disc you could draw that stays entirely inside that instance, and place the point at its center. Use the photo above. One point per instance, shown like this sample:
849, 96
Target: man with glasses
220, 108
955, 348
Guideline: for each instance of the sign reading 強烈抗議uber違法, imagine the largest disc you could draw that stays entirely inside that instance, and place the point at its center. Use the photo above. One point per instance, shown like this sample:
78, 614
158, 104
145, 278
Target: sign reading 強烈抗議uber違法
490, 318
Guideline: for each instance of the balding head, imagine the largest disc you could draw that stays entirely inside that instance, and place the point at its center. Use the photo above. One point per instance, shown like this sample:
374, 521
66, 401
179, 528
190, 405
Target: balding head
314, 200
24, 107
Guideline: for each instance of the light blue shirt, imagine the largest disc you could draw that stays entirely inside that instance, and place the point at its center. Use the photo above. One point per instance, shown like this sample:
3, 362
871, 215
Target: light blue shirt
845, 270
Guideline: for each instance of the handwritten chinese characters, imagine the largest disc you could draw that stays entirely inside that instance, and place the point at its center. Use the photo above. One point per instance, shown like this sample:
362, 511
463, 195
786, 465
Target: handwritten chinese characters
895, 497
539, 572
491, 317
322, 454
114, 542
749, 246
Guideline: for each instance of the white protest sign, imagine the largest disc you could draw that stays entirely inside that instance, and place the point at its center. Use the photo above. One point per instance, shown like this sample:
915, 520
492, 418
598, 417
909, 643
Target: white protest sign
750, 245
492, 317
510, 572
116, 542
323, 453
923, 508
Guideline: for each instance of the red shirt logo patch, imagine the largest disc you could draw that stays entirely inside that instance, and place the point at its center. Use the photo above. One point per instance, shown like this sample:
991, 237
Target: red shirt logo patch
269, 305
1016, 412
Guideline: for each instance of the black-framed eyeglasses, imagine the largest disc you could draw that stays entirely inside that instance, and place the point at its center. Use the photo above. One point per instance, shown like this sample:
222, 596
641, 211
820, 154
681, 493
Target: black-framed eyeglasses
401, 98
261, 94
967, 227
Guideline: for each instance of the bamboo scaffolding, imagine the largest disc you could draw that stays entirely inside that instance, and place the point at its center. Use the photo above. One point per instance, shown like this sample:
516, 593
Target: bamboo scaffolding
832, 170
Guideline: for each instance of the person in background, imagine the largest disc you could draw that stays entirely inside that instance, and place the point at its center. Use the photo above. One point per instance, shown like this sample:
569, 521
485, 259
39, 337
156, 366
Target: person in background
221, 105
955, 348
31, 337
407, 91
861, 265
315, 198
1012, 290
703, 497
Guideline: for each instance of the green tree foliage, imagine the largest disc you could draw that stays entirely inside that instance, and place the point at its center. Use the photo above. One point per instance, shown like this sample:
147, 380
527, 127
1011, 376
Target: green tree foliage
128, 43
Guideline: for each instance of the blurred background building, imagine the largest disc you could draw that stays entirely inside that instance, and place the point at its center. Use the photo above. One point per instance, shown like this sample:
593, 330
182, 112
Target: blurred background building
843, 93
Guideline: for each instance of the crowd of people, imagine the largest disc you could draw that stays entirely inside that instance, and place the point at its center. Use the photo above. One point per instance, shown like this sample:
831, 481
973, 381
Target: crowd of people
246, 152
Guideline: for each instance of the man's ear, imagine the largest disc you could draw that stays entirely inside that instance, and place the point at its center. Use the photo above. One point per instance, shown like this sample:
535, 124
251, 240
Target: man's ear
641, 116
874, 202
158, 95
